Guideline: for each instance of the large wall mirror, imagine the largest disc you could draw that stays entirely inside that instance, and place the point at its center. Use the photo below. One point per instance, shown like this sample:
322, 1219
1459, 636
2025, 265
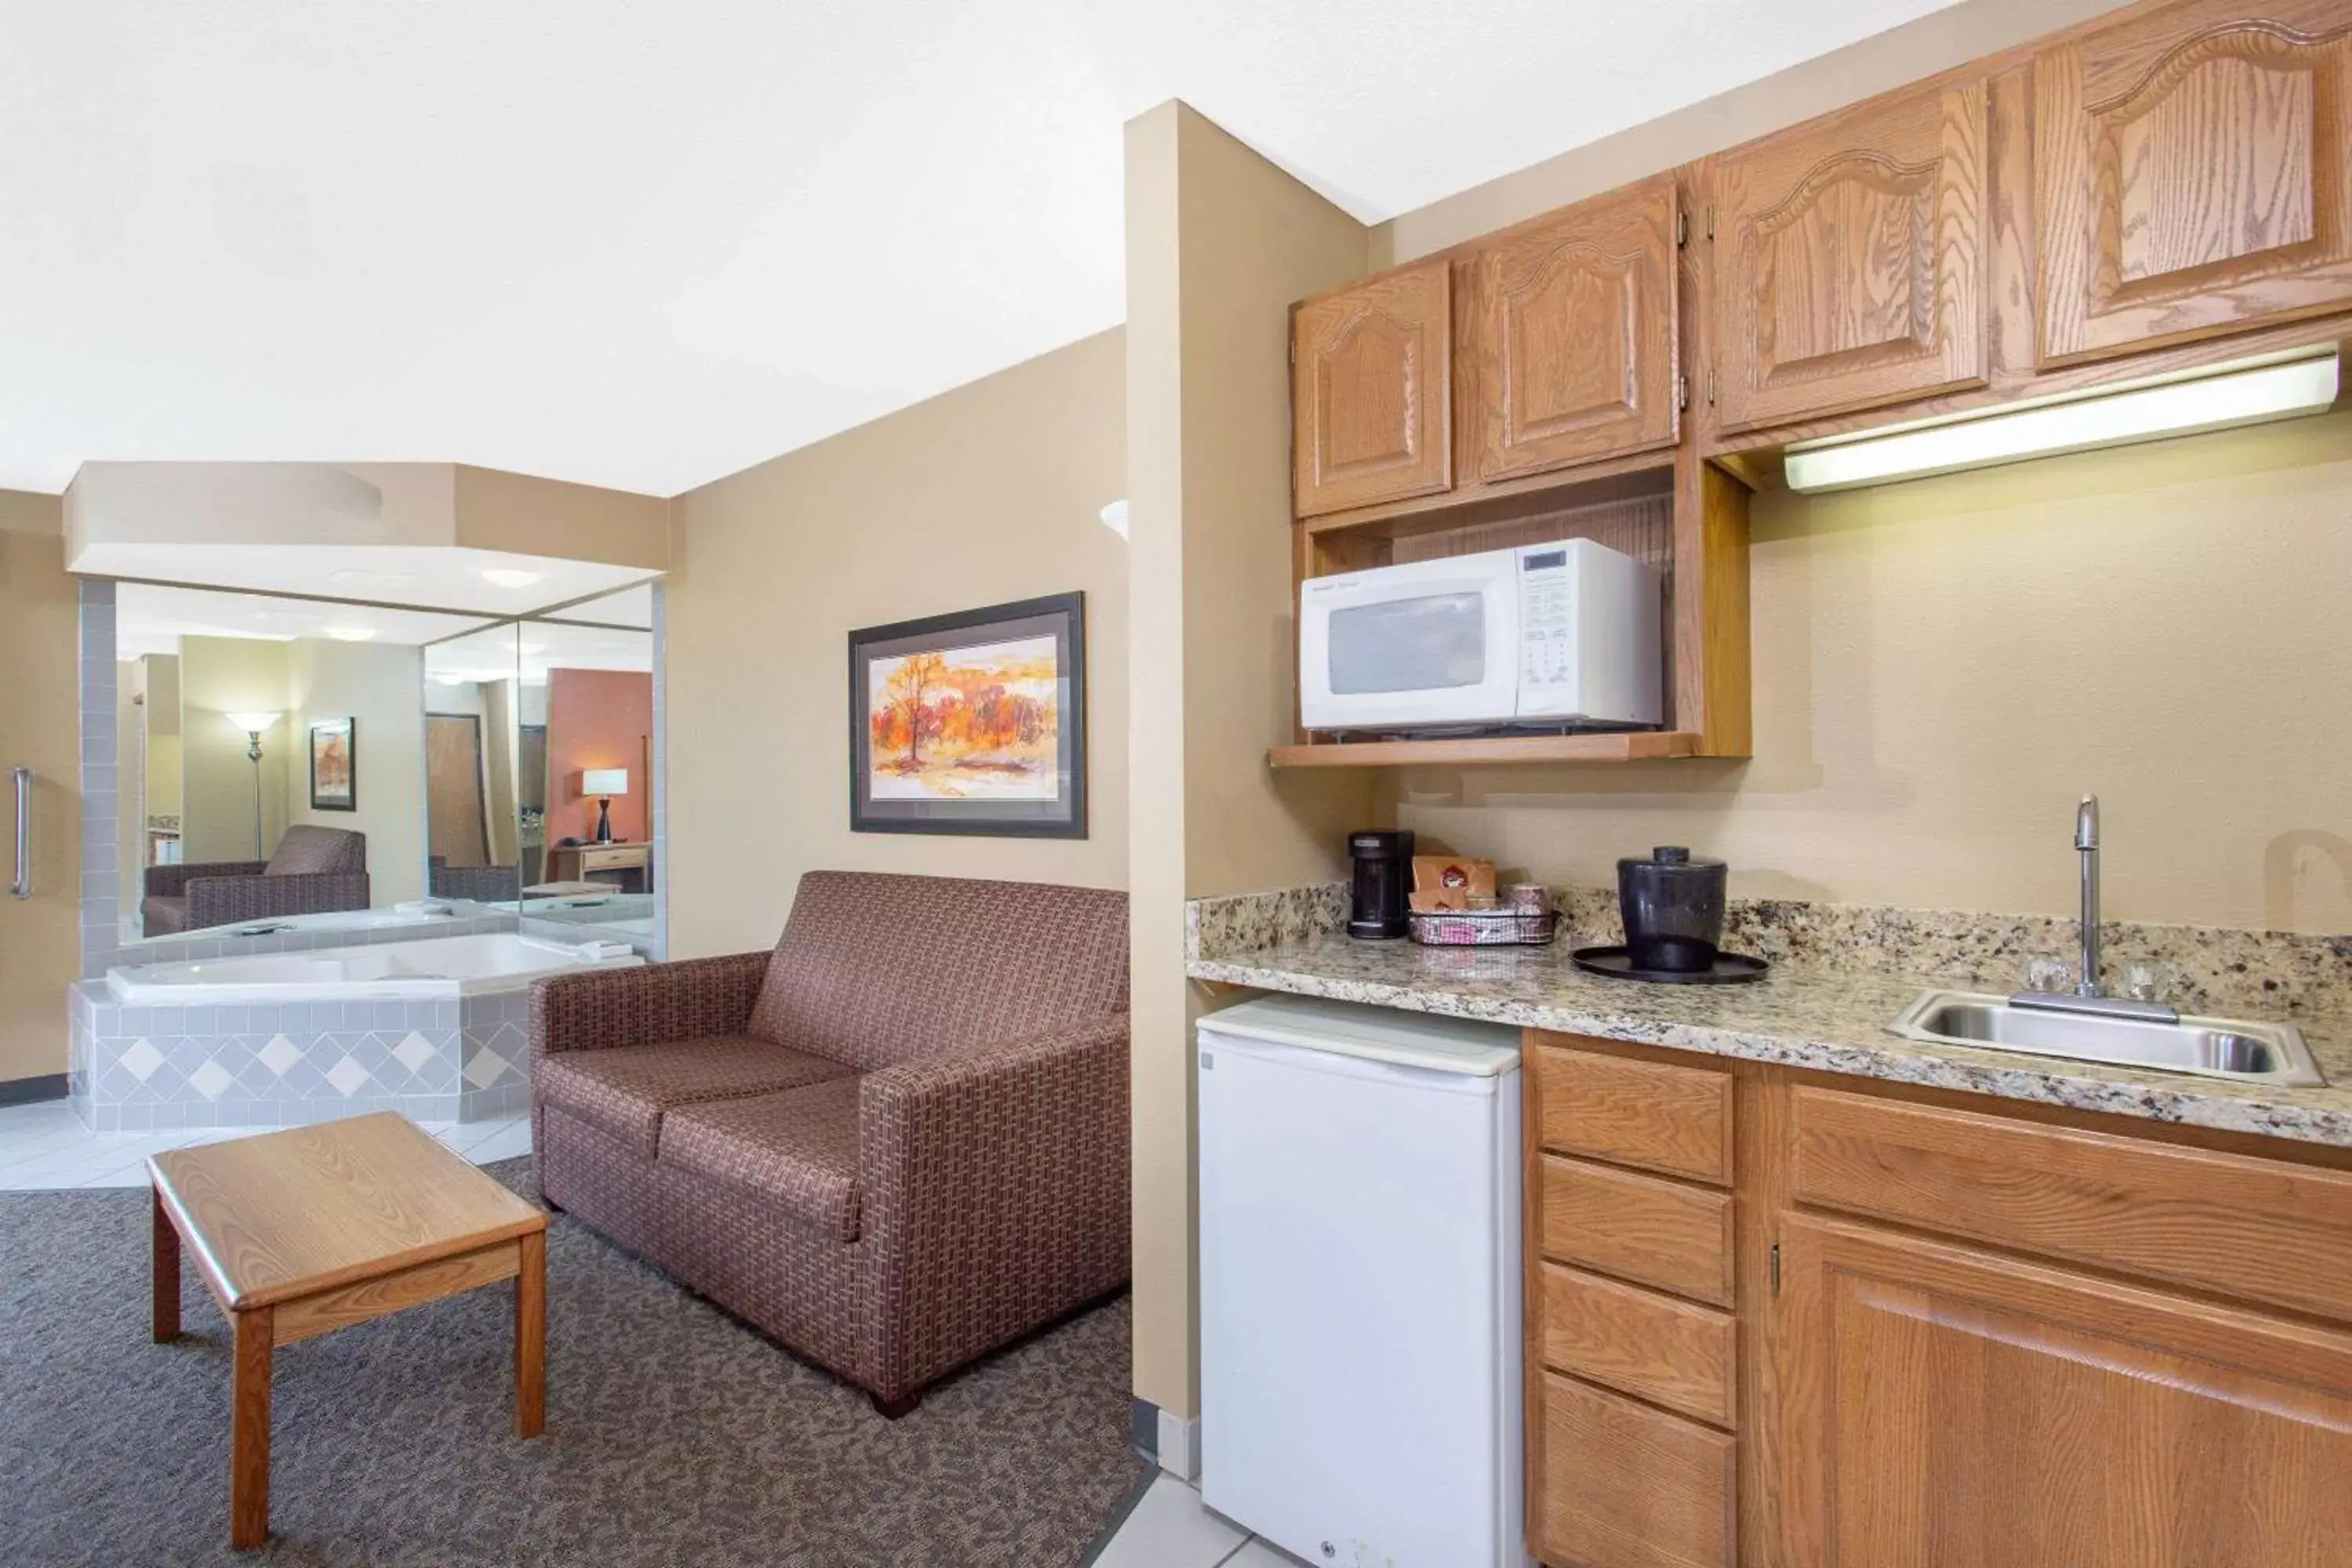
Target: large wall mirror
299, 762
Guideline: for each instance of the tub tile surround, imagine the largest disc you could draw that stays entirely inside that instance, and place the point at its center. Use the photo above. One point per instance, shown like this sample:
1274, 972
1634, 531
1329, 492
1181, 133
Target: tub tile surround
1840, 976
102, 896
138, 1070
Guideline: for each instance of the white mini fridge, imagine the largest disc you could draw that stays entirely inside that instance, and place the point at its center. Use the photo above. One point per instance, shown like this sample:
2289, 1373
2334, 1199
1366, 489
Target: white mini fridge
1360, 1283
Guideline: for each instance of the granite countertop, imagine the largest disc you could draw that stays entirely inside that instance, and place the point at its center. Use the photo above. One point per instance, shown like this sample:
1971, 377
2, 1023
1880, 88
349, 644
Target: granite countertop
1826, 1019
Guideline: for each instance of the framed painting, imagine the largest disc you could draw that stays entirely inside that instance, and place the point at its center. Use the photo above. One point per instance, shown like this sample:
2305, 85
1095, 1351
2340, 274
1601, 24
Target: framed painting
972, 723
334, 764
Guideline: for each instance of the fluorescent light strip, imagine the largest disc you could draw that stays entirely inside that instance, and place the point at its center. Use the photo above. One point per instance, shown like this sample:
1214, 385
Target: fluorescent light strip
2217, 401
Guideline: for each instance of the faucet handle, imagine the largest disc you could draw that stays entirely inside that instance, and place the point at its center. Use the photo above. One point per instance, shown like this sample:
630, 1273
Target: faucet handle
2144, 982
2048, 974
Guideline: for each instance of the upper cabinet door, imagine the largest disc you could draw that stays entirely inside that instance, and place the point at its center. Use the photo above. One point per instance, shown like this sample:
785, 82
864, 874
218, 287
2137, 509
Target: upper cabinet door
1372, 390
1576, 351
2191, 174
1850, 266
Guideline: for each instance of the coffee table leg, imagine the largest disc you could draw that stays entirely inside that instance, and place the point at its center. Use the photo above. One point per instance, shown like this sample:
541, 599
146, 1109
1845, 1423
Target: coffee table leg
166, 1271
530, 1336
248, 1430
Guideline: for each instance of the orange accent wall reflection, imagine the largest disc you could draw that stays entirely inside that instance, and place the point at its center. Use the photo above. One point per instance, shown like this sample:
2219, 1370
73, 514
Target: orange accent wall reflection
597, 719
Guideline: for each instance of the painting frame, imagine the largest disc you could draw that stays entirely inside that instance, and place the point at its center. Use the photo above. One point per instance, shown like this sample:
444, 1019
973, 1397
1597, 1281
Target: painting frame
324, 733
1060, 616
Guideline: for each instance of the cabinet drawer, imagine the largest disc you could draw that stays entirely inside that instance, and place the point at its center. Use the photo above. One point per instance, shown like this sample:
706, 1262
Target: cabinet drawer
1642, 1229
2260, 1230
611, 860
1669, 1351
1652, 1115
1623, 1485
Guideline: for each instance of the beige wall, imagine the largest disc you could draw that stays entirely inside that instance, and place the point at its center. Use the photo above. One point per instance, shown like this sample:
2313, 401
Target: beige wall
220, 676
531, 516
983, 495
40, 945
380, 686
1942, 666
1219, 242
1917, 48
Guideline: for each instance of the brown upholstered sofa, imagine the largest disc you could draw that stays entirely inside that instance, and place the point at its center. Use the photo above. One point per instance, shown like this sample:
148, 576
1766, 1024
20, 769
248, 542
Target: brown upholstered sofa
313, 870
895, 1143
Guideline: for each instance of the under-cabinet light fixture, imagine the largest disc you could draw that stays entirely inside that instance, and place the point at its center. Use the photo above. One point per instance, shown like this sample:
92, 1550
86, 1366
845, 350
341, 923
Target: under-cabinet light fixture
2219, 400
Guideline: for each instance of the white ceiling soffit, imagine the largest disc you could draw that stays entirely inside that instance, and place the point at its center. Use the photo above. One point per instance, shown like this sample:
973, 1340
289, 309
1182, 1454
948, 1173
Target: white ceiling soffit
643, 246
430, 576
152, 620
629, 607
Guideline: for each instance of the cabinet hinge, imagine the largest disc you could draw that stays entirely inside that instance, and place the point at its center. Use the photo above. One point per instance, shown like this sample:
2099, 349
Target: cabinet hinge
1682, 229
1682, 390
1710, 220
1710, 386
1776, 1268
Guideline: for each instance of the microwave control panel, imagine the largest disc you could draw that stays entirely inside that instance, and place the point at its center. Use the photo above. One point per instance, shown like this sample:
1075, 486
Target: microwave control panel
1547, 618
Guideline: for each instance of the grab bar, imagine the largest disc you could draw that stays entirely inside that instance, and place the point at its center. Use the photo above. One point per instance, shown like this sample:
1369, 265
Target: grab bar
22, 779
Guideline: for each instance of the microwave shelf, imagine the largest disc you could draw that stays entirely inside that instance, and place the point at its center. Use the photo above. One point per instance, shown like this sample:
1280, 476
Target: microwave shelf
1593, 746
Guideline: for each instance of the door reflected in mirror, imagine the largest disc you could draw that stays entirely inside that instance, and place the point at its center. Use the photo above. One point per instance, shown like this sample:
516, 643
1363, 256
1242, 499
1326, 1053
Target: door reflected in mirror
473, 699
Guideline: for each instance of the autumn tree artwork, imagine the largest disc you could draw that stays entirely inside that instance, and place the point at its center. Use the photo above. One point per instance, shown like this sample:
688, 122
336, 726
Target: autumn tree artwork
979, 722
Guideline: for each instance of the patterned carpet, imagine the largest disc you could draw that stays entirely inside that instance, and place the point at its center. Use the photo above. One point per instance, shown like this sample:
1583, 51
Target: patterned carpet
675, 1436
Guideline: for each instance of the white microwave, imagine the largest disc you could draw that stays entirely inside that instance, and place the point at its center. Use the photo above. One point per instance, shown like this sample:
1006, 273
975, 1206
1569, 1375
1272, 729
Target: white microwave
1546, 635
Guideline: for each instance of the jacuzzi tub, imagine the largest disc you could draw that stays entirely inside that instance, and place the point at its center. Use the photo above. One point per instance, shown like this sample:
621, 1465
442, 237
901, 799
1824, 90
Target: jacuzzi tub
439, 968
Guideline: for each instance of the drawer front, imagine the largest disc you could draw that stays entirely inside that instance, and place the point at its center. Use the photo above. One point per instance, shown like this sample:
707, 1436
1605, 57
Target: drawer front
1669, 1351
2259, 1230
1642, 1229
1650, 1115
1623, 1486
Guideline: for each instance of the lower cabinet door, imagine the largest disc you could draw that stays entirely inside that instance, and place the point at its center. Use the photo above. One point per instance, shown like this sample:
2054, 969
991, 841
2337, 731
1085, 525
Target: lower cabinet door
1943, 1406
1619, 1485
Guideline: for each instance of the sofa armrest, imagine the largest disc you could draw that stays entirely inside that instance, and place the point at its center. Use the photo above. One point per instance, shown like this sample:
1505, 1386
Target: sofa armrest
225, 900
994, 1194
602, 1008
171, 882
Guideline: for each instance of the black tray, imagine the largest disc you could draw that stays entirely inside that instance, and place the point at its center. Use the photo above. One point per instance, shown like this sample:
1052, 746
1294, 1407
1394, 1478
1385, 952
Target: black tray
1730, 968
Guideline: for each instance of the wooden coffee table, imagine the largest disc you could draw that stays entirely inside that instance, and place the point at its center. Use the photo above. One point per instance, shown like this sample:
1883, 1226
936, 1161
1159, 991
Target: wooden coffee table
315, 1229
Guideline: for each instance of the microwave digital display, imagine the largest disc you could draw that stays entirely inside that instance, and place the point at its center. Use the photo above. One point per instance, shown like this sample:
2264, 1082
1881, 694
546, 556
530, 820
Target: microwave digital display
1546, 562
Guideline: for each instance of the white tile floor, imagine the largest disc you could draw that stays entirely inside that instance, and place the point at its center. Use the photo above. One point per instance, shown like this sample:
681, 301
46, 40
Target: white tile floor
45, 1146
1172, 1527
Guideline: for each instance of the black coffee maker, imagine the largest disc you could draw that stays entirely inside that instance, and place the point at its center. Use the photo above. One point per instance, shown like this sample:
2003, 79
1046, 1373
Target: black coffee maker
1383, 879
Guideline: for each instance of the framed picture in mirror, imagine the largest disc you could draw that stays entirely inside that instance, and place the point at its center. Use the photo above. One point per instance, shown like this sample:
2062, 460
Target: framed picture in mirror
972, 724
334, 764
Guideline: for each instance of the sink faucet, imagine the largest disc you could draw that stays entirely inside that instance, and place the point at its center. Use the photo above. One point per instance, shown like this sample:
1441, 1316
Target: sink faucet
2086, 844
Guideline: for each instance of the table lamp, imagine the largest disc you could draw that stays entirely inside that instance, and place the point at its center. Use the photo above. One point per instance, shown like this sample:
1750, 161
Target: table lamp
604, 783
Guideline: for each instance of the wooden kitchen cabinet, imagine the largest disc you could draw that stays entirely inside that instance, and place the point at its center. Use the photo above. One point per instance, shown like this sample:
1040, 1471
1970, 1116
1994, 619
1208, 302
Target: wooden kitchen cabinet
2192, 168
1943, 1405
1372, 390
1575, 356
1850, 259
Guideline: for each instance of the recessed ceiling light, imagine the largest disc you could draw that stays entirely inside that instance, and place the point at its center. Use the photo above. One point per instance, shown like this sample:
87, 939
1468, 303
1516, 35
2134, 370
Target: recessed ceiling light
508, 576
350, 634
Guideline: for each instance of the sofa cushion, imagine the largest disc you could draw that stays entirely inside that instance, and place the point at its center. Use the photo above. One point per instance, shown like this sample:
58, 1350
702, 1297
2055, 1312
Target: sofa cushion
306, 850
797, 1150
874, 969
626, 1090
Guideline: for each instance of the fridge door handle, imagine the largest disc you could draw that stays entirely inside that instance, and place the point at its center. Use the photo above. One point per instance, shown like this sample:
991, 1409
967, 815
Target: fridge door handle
21, 781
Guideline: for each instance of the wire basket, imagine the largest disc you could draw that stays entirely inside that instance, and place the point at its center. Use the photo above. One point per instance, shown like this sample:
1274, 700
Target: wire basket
1481, 928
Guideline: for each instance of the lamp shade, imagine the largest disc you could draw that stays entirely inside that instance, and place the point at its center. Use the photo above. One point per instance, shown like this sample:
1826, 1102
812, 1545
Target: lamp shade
252, 723
603, 780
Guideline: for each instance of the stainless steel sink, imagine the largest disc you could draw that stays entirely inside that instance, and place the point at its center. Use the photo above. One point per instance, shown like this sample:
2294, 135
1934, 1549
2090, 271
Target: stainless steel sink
2148, 1036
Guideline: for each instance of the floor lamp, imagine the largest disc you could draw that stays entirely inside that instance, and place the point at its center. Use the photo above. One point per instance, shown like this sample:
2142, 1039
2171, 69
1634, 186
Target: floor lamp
253, 724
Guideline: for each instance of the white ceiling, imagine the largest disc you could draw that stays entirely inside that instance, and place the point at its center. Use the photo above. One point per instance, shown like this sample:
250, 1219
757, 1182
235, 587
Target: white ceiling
644, 244
153, 620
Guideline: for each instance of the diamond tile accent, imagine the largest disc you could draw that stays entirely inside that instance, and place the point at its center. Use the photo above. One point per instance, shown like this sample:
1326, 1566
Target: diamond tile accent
140, 1060
210, 1079
347, 1078
413, 1052
487, 1068
278, 1055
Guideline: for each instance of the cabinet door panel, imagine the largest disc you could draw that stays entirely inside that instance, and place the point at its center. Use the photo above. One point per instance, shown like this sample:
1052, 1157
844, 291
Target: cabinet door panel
1849, 262
1945, 1406
1576, 339
2191, 175
1372, 390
